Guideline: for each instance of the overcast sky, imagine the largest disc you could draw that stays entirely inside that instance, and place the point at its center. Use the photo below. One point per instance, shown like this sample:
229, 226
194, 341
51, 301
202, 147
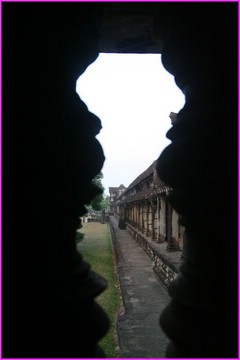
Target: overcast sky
133, 96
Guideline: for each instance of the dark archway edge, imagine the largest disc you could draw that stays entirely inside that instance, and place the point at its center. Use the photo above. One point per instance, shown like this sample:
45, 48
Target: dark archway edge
50, 156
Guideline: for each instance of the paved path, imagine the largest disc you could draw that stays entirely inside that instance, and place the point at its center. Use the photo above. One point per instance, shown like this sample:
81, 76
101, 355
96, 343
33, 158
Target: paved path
143, 297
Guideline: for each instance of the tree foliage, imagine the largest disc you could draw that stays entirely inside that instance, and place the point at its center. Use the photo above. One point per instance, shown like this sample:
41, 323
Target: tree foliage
99, 202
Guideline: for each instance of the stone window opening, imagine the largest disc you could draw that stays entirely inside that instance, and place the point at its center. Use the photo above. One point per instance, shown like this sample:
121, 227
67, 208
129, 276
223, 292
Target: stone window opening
43, 184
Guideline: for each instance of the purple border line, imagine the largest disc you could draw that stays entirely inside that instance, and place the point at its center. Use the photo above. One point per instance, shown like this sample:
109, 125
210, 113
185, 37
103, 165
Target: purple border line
238, 181
73, 1
1, 181
151, 1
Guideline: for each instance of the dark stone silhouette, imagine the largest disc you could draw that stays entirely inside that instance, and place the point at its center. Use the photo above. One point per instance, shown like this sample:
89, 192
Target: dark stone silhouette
199, 49
50, 156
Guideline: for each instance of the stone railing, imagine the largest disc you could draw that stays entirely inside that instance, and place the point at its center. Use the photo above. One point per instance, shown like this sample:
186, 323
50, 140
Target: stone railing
165, 265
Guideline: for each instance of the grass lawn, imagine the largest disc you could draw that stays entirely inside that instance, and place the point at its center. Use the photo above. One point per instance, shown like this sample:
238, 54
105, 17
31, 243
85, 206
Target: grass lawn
96, 249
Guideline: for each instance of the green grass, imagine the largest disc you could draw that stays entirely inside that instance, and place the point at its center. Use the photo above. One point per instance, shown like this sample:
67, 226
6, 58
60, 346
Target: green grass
96, 249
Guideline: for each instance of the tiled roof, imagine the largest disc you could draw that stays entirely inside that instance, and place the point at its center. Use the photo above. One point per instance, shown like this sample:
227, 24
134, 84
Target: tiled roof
158, 187
143, 176
145, 194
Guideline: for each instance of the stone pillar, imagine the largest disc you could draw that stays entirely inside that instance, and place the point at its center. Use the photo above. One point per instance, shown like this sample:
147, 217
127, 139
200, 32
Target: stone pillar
199, 47
135, 215
181, 231
158, 218
48, 292
175, 225
147, 219
170, 245
142, 223
172, 228
139, 216
154, 220
154, 233
162, 227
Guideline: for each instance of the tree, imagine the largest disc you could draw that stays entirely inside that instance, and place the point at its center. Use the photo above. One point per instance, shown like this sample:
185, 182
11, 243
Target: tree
98, 203
105, 202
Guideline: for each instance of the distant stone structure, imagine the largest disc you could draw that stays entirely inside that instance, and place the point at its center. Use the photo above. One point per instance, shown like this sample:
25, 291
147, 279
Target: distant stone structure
115, 192
144, 205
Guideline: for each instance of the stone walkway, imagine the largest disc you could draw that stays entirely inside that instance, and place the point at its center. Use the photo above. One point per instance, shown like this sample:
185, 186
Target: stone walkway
140, 335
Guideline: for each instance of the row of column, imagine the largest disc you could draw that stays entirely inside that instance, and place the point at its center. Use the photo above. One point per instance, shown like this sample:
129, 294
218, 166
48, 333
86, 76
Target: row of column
156, 219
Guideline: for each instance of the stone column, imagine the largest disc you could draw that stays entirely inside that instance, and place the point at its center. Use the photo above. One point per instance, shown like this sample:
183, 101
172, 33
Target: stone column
175, 226
153, 221
135, 215
147, 219
170, 245
158, 218
142, 221
199, 47
171, 225
139, 216
48, 295
162, 227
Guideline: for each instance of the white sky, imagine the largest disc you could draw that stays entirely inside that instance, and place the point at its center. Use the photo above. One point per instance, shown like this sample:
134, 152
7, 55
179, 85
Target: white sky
133, 96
